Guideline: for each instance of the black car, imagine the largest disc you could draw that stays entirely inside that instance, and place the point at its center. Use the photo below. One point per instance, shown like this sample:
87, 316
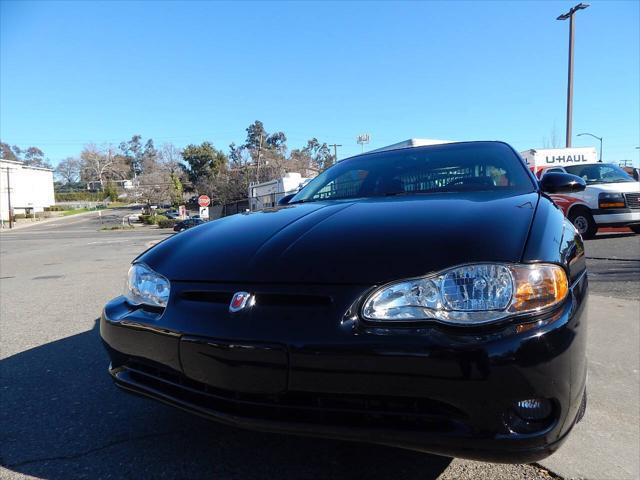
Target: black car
187, 224
430, 298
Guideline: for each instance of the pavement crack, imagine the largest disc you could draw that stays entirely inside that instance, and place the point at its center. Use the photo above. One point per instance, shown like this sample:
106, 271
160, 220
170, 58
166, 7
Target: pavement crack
75, 456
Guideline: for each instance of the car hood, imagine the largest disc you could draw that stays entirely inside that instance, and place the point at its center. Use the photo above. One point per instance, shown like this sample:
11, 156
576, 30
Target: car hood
618, 187
368, 241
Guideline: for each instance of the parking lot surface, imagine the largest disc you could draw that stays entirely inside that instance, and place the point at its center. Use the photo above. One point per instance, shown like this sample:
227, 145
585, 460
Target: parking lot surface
61, 417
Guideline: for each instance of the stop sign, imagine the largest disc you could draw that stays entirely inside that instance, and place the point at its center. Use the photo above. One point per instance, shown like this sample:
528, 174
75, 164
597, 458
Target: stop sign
204, 201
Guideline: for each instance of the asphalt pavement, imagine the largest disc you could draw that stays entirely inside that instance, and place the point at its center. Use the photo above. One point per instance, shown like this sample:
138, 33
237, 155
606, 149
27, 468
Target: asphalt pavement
62, 418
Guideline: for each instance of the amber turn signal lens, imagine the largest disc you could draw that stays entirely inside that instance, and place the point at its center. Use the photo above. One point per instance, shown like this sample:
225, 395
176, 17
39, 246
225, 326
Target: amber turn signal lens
538, 287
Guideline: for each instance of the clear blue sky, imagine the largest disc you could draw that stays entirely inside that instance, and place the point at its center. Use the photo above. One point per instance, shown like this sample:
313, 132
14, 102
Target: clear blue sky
80, 72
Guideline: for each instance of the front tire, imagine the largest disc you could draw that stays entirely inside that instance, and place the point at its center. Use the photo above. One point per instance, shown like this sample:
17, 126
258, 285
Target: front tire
584, 222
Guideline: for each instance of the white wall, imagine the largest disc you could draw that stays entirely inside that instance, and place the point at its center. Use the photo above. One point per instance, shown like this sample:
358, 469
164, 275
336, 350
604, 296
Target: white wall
31, 187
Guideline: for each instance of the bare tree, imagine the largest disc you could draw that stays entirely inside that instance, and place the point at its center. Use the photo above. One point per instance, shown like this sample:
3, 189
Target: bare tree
554, 138
162, 177
68, 170
171, 157
102, 164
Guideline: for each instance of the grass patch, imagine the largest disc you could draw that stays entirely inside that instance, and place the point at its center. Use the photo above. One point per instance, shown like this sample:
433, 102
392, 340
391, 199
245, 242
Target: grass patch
66, 213
117, 204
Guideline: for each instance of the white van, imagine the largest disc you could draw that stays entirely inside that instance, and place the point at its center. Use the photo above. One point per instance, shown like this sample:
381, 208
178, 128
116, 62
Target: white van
612, 196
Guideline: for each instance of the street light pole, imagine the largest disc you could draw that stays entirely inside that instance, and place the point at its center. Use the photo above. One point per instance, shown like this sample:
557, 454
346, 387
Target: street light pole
565, 16
596, 137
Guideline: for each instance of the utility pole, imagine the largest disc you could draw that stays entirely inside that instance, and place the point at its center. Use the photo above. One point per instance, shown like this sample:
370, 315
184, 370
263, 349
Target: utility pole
258, 161
565, 16
9, 198
335, 151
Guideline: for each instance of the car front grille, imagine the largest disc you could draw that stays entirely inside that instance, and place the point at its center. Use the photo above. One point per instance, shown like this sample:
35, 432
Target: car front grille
396, 413
633, 200
270, 299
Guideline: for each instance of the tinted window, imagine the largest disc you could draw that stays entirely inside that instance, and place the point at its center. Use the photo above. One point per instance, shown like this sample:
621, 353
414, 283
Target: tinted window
599, 173
444, 168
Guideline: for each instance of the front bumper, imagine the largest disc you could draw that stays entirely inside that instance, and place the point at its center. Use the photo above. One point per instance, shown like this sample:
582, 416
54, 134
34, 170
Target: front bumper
619, 217
433, 389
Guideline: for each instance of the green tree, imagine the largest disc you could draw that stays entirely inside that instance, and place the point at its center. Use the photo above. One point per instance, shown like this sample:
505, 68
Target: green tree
314, 156
320, 154
6, 153
111, 191
203, 161
32, 156
133, 151
176, 189
258, 139
256, 136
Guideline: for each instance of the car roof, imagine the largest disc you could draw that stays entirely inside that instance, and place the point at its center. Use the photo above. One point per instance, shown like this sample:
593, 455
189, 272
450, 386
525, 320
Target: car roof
435, 146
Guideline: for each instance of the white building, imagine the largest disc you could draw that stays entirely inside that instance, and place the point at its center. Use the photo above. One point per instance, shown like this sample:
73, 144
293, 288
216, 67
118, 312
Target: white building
266, 194
412, 142
29, 189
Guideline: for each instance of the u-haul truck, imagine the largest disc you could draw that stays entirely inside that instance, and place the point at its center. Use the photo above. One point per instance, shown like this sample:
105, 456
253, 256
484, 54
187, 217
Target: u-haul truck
611, 199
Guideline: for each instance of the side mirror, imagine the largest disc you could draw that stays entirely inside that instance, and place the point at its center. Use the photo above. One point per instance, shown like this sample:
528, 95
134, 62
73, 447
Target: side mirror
558, 182
286, 199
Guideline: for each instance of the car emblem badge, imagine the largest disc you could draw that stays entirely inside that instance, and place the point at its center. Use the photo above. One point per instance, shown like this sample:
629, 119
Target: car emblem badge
239, 301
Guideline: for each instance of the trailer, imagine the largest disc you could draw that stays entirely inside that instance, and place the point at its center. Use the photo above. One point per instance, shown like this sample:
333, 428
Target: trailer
266, 194
612, 196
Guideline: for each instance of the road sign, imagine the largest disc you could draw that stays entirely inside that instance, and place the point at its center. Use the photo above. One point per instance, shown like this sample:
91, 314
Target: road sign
204, 213
204, 201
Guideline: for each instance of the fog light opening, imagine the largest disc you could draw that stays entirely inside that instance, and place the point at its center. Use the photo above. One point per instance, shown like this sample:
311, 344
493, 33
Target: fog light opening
530, 416
534, 409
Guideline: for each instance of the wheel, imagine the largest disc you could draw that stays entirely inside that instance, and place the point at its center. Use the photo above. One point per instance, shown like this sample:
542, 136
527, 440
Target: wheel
635, 228
584, 222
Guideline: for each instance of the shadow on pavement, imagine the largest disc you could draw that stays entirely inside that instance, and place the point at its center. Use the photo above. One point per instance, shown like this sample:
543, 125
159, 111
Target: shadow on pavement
63, 419
604, 236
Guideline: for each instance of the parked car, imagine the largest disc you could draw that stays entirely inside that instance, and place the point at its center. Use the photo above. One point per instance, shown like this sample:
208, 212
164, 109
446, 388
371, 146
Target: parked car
430, 298
612, 196
187, 224
172, 214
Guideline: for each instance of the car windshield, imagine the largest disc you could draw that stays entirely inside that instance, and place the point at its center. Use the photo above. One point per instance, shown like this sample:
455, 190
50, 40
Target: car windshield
460, 167
600, 173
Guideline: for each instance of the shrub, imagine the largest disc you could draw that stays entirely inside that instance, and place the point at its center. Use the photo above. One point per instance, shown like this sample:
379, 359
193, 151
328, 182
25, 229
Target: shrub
152, 219
80, 196
166, 222
156, 219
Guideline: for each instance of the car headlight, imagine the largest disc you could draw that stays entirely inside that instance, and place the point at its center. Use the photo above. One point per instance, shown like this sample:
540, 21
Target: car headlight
610, 200
146, 287
470, 294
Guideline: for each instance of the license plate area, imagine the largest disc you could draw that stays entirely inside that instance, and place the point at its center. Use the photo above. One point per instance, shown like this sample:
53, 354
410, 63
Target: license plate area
247, 367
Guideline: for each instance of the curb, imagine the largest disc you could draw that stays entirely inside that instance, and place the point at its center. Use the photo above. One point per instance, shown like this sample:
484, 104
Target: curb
48, 220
